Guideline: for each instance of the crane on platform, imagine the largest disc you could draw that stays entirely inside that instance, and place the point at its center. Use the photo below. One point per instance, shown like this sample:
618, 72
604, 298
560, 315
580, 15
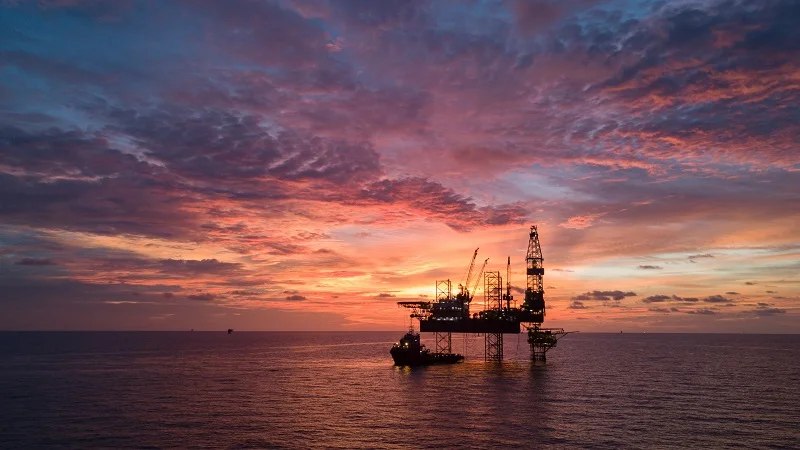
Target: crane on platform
478, 280
464, 289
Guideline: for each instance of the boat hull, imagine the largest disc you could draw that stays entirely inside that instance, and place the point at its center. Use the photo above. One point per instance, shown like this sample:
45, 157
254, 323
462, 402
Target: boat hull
408, 358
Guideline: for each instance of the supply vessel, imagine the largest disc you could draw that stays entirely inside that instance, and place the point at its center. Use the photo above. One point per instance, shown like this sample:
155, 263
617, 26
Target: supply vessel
410, 352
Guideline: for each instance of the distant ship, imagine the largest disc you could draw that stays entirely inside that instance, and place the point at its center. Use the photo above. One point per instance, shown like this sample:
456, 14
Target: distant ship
409, 352
230, 330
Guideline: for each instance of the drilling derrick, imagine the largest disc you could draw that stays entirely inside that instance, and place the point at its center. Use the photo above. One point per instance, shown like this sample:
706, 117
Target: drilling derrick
533, 307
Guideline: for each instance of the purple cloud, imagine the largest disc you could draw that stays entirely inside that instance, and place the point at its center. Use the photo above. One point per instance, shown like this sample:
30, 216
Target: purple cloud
35, 262
604, 295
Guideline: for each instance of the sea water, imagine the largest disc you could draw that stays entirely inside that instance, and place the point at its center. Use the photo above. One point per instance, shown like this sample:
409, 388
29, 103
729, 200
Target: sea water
340, 390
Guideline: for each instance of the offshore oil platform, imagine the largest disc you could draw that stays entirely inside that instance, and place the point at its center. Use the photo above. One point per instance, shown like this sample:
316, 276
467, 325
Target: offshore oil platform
450, 313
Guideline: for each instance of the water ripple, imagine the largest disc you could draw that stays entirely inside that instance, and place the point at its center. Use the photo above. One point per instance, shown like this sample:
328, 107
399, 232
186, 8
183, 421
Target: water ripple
339, 390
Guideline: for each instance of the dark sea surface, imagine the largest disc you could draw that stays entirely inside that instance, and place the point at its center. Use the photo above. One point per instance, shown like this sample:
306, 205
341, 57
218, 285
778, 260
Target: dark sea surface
340, 390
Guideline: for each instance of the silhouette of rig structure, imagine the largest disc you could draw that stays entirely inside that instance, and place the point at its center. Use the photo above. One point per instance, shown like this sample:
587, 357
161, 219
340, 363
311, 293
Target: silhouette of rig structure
450, 313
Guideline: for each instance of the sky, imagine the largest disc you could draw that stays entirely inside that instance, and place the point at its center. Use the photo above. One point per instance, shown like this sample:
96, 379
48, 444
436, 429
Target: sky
304, 164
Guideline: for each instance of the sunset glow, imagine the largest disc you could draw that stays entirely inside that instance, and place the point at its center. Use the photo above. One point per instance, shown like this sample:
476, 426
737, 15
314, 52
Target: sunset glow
304, 165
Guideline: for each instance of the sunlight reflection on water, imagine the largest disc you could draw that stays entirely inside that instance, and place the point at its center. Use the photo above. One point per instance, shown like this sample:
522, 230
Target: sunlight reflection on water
339, 390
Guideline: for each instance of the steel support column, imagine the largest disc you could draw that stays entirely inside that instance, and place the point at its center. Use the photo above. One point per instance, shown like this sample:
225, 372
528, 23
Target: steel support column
444, 342
494, 347
539, 352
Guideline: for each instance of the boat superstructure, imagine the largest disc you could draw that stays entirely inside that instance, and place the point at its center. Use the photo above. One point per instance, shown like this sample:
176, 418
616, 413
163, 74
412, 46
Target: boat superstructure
409, 351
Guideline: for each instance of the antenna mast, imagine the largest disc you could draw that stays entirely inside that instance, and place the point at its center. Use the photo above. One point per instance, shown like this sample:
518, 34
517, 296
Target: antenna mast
508, 296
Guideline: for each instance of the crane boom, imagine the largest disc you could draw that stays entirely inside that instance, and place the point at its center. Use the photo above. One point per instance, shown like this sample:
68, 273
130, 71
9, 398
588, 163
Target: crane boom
469, 271
478, 280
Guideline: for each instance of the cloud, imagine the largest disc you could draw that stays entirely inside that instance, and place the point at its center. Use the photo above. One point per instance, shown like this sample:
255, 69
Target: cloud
703, 311
702, 256
74, 180
690, 57
69, 154
649, 267
108, 206
204, 297
385, 295
766, 309
329, 170
240, 292
580, 222
675, 298
716, 299
194, 267
604, 295
433, 200
35, 262
296, 297
750, 283
532, 16
769, 311
577, 305
661, 310
732, 293
239, 148
656, 299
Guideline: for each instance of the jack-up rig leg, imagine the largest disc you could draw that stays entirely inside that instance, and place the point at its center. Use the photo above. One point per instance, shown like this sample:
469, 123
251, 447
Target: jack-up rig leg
444, 342
494, 347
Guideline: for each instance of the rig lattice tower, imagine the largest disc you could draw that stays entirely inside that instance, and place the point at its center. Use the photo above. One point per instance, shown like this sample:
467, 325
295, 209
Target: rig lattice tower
493, 294
534, 293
